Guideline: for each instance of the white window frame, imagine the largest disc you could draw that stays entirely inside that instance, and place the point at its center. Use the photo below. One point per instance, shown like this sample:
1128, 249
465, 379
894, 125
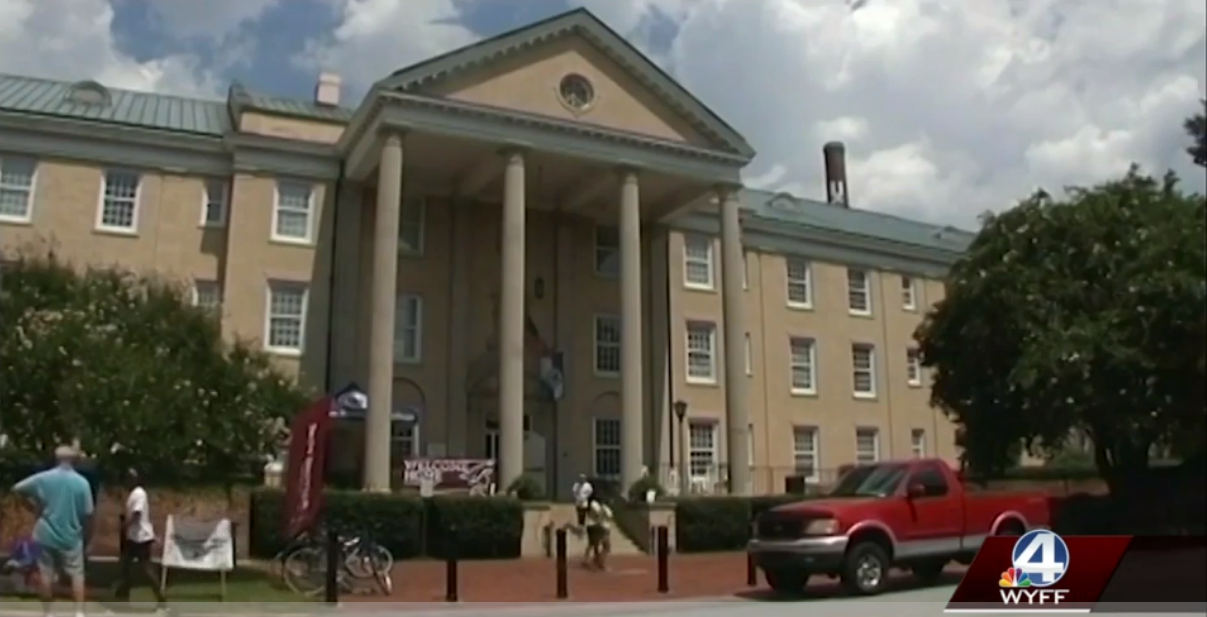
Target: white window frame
913, 367
275, 287
745, 270
708, 453
29, 191
793, 365
813, 453
597, 446
412, 217
209, 188
604, 252
862, 457
195, 295
917, 442
398, 436
697, 327
403, 304
598, 323
909, 293
694, 242
852, 290
277, 209
104, 197
798, 283
749, 356
856, 348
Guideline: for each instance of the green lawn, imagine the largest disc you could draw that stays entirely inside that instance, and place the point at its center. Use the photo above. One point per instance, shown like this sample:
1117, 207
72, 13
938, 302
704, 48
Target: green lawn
245, 584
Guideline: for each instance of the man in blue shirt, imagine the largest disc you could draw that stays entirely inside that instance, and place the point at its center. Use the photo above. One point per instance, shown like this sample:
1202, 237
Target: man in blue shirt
63, 500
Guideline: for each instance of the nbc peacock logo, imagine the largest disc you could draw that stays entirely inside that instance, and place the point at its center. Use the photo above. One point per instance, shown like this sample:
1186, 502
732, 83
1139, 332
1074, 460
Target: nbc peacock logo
1013, 577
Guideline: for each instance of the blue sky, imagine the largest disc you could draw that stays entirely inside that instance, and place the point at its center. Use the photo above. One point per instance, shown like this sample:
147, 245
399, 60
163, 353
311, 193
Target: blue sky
948, 108
281, 33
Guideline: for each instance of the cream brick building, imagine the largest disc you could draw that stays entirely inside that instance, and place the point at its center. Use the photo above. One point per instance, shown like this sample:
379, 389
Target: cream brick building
544, 200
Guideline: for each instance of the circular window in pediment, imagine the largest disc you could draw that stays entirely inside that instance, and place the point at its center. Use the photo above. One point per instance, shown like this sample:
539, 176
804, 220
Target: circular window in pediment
576, 92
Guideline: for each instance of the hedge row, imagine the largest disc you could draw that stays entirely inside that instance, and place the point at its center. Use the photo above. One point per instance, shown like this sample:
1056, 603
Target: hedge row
410, 526
720, 523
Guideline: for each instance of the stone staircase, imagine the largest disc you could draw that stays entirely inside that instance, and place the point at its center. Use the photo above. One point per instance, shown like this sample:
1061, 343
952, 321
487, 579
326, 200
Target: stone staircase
563, 515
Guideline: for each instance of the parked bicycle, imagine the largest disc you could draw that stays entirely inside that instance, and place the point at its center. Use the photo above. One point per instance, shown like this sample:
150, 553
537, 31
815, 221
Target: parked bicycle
303, 563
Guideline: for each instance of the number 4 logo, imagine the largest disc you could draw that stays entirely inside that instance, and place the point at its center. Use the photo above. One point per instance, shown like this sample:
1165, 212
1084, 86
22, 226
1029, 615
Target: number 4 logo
1043, 555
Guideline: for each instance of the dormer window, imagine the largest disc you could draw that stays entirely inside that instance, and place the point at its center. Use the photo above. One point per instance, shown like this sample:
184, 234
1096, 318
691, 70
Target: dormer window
88, 93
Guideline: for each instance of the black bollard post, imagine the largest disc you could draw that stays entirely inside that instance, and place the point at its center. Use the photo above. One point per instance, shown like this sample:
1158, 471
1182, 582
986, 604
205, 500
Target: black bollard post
664, 549
563, 584
331, 585
450, 570
752, 578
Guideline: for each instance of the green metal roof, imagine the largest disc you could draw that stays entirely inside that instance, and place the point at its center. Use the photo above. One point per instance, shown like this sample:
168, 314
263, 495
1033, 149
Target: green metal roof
156, 111
246, 99
792, 210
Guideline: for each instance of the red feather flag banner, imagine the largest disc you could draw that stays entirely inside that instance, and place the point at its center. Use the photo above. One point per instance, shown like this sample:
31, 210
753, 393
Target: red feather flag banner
1042, 572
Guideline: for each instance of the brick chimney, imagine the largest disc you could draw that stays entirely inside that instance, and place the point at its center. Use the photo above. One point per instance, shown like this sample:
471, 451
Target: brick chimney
327, 90
834, 154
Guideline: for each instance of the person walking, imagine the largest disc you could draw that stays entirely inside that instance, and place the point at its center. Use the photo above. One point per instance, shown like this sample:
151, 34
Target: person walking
583, 491
63, 500
138, 538
599, 533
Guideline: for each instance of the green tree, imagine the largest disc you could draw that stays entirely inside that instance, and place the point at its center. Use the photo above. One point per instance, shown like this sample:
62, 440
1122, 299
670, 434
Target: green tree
1085, 313
1196, 127
124, 363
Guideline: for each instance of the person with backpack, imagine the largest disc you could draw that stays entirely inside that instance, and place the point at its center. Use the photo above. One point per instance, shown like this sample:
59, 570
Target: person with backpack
599, 533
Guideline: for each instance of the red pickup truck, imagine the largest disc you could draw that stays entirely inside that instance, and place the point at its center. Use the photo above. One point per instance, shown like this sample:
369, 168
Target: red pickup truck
915, 515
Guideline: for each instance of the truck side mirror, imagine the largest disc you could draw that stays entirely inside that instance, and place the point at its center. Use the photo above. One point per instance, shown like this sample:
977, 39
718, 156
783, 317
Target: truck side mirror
914, 491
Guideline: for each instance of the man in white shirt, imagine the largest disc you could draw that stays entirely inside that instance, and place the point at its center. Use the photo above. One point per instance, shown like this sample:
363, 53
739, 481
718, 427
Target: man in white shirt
582, 496
138, 538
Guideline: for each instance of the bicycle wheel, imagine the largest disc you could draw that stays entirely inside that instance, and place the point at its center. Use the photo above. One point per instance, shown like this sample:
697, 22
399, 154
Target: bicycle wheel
369, 559
305, 571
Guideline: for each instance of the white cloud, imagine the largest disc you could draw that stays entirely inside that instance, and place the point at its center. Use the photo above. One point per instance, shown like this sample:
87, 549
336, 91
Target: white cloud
210, 19
73, 39
375, 37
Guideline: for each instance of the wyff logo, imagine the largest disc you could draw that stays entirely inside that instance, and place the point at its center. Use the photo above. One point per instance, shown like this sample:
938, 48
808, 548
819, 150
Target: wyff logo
1040, 559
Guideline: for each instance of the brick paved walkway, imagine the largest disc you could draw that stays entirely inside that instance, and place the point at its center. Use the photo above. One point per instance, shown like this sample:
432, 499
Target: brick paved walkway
630, 579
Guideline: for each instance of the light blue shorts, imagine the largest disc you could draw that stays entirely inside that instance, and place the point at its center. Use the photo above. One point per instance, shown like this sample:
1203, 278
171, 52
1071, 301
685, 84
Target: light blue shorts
52, 561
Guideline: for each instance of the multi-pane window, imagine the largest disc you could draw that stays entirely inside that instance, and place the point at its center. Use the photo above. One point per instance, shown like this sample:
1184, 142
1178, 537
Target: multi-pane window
411, 226
702, 449
119, 202
207, 295
607, 251
286, 322
749, 357
408, 328
917, 442
292, 212
859, 292
803, 362
701, 347
863, 365
913, 367
909, 300
745, 270
607, 447
805, 444
607, 345
697, 262
800, 283
404, 440
867, 446
16, 188
214, 203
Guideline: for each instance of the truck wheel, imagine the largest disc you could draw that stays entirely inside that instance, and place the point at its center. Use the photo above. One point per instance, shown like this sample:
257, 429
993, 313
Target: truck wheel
787, 581
929, 571
865, 570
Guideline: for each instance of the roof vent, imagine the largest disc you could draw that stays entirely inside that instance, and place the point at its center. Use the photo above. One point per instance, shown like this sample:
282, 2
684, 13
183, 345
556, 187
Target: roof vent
327, 90
834, 155
88, 92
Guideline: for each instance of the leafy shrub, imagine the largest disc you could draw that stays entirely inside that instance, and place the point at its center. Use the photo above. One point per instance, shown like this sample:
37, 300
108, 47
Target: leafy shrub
720, 523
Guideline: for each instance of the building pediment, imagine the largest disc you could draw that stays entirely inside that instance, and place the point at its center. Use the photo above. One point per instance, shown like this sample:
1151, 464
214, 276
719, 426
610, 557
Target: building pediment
572, 67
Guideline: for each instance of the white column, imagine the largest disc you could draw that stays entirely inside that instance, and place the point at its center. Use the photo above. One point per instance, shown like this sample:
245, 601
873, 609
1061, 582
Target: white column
381, 320
736, 413
511, 323
632, 446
